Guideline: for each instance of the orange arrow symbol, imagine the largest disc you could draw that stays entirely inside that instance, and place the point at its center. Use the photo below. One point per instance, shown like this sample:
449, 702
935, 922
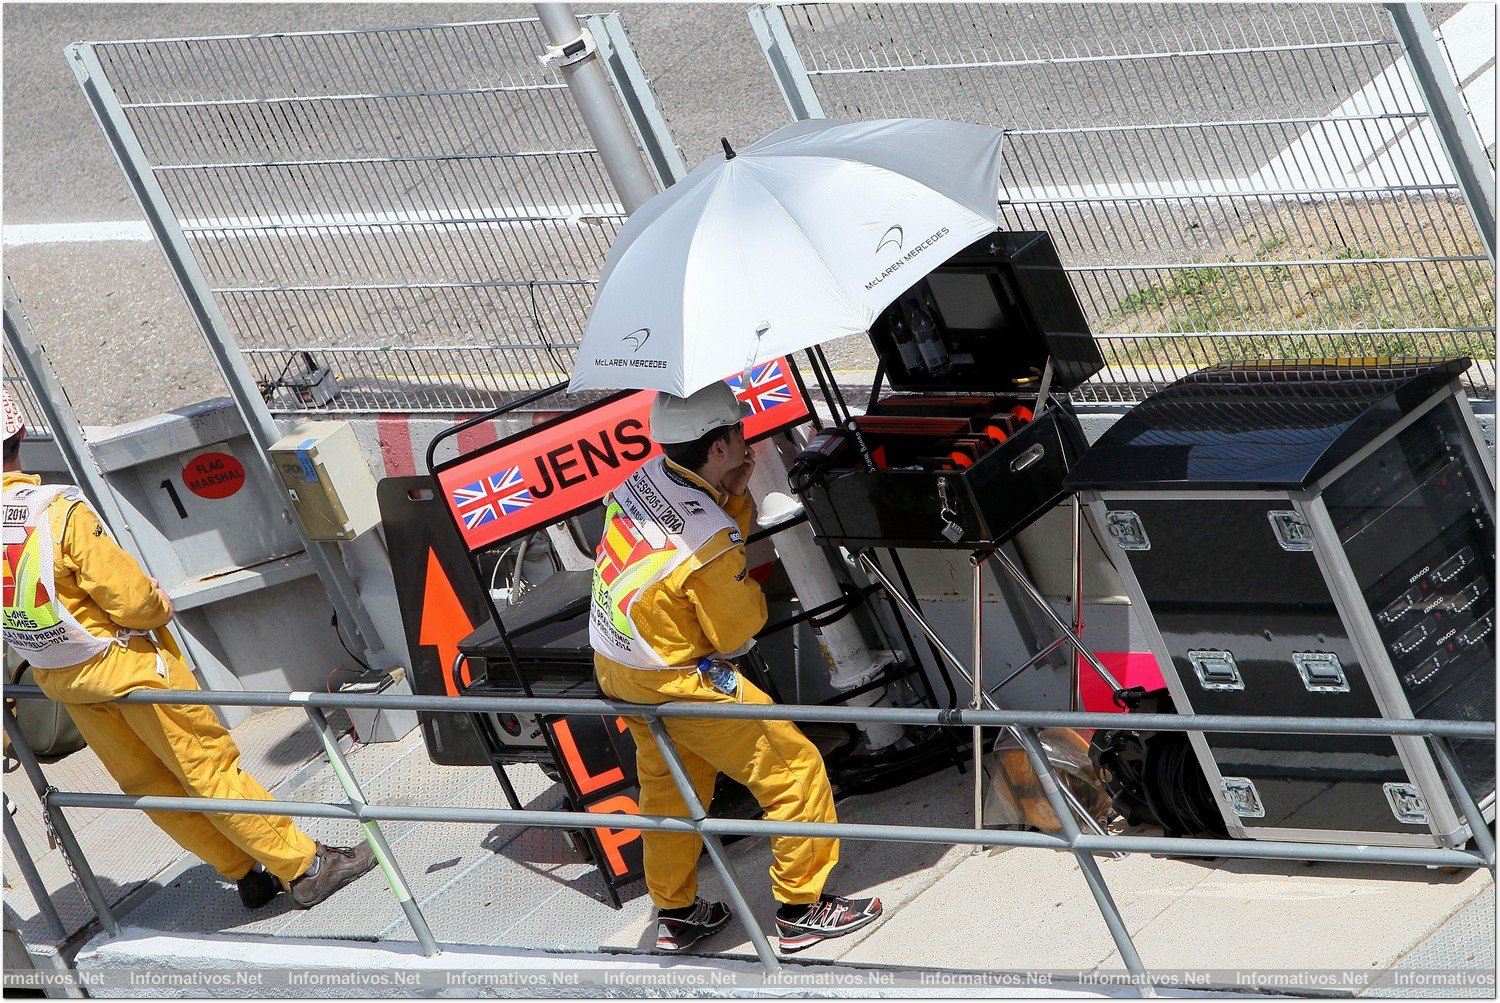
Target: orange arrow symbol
444, 622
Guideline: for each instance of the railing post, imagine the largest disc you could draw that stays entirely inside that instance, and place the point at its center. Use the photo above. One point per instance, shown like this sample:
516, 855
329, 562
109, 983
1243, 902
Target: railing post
72, 853
373, 835
976, 561
22, 853
1478, 828
737, 902
1053, 790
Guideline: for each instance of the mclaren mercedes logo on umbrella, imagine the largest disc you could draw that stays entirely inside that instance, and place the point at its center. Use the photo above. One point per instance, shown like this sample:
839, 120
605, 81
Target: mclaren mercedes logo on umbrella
637, 338
894, 236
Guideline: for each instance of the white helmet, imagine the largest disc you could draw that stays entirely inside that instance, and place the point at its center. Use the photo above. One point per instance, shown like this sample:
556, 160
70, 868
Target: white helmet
15, 421
684, 419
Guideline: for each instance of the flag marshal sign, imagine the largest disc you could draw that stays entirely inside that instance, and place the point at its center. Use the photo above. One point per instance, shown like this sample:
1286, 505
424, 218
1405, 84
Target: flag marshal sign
562, 467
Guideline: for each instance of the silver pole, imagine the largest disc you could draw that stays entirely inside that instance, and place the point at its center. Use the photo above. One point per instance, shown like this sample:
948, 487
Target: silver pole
22, 853
977, 562
1086, 862
373, 835
1472, 813
589, 85
711, 842
1445, 108
1075, 697
994, 717
326, 558
1057, 621
1407, 856
58, 410
959, 667
58, 825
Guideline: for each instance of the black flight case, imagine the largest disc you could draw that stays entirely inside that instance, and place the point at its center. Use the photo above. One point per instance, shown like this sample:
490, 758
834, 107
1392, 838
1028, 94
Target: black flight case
549, 632
970, 449
1314, 540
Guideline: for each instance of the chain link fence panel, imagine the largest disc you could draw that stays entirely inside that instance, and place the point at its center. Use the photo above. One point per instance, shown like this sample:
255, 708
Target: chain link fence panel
1222, 181
414, 216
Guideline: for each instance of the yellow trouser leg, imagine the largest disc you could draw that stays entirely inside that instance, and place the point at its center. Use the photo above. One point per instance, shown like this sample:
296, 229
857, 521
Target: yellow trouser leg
192, 743
140, 774
671, 858
781, 768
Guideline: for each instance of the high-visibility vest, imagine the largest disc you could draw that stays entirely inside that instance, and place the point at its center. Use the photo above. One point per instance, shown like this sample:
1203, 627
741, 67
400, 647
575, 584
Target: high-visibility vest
37, 624
654, 522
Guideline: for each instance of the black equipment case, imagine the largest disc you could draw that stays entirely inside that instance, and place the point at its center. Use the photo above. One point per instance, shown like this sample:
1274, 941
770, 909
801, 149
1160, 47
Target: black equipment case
549, 633
957, 458
1313, 540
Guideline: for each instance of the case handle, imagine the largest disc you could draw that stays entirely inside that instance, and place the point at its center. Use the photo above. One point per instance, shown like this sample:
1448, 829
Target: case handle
1027, 458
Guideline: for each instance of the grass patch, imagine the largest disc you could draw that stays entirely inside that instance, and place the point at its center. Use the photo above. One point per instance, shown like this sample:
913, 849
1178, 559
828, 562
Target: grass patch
1319, 268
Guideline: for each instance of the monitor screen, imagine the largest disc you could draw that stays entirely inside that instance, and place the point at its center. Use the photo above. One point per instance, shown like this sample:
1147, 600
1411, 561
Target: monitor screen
967, 300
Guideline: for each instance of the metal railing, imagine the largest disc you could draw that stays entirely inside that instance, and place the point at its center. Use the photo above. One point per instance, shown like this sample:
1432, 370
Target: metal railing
1023, 724
419, 210
1222, 181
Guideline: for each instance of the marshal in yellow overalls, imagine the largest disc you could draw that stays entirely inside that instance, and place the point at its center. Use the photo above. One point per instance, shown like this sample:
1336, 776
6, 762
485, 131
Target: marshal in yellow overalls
668, 598
96, 602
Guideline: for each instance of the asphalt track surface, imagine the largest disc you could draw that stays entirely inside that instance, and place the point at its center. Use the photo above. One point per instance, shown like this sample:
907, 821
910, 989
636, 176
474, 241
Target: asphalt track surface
114, 324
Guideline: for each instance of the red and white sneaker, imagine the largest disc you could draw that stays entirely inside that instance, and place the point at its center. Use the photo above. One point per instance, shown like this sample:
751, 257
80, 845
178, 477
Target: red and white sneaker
678, 933
831, 916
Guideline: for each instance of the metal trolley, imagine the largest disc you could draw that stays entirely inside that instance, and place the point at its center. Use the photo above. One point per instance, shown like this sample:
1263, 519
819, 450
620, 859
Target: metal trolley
972, 447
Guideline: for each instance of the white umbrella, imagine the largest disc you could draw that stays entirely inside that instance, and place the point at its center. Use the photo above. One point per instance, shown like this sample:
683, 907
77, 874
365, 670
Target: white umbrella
800, 238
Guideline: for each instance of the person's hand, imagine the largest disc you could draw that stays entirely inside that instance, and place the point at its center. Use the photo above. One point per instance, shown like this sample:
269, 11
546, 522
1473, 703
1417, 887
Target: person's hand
166, 600
737, 481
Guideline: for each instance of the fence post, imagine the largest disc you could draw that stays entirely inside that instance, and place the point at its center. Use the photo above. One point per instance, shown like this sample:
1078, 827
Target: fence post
326, 557
785, 61
58, 825
1445, 110
52, 398
634, 91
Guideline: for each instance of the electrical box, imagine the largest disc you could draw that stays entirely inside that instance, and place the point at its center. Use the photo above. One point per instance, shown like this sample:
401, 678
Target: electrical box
330, 483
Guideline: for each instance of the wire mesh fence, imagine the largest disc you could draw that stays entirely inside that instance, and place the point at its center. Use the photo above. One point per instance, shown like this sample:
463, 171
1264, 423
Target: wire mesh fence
420, 212
1222, 181
20, 389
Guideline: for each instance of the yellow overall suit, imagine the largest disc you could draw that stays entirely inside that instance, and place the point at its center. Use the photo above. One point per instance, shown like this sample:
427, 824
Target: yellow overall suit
706, 605
163, 750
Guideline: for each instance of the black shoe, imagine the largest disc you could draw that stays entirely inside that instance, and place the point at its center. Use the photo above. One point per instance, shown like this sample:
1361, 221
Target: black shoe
831, 916
337, 867
258, 887
674, 933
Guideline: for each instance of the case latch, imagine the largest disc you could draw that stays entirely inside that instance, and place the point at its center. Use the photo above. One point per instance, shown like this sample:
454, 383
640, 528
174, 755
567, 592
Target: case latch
1216, 670
1407, 804
1321, 671
952, 531
1292, 531
1125, 526
1242, 796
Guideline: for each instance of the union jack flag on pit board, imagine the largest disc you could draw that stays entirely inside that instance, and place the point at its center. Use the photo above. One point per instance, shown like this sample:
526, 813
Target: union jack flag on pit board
770, 385
491, 497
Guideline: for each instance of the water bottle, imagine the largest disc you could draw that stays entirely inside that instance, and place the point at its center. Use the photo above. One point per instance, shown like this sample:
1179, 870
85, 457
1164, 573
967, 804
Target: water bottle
925, 334
911, 356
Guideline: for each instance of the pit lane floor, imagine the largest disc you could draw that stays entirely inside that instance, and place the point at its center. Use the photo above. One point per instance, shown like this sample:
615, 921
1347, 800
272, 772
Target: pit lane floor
494, 895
